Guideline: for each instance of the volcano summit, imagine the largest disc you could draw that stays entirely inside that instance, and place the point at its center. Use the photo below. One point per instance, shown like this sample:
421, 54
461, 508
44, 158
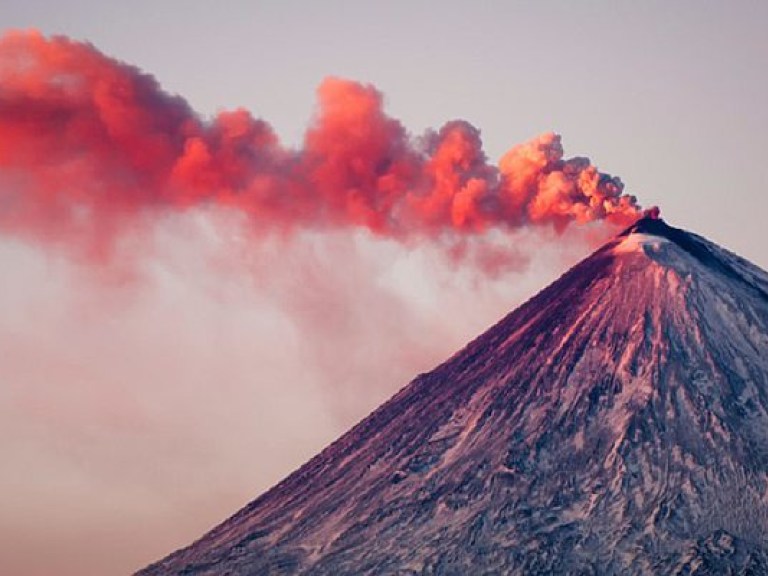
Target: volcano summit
616, 423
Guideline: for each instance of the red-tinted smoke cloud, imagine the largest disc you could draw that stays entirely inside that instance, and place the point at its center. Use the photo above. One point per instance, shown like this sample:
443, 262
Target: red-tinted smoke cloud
245, 356
89, 144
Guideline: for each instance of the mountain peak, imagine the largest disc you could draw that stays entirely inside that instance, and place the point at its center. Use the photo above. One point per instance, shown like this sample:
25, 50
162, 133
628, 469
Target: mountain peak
650, 223
616, 423
650, 232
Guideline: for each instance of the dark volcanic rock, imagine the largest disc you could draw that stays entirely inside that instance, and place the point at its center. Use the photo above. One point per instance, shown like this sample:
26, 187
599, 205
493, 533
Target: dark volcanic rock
617, 423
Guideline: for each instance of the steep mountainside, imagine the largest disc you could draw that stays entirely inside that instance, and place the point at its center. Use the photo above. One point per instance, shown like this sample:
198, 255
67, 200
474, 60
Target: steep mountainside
616, 423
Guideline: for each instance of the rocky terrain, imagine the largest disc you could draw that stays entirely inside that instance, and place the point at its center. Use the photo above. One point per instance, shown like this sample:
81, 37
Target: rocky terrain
616, 423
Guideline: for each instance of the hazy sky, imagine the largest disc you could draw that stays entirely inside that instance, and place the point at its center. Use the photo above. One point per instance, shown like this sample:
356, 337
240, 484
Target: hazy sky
135, 414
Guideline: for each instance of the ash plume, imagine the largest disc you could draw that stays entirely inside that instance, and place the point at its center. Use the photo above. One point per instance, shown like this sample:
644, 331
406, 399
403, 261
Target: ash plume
90, 145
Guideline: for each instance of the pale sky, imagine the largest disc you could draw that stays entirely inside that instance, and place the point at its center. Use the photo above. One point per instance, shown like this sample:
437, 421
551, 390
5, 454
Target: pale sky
134, 417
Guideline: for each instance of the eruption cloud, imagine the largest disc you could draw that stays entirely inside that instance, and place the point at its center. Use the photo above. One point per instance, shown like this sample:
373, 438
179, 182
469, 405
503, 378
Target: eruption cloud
89, 145
269, 317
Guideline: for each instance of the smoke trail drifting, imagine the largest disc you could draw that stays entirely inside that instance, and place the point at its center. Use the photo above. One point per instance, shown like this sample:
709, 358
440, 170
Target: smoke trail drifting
110, 404
88, 144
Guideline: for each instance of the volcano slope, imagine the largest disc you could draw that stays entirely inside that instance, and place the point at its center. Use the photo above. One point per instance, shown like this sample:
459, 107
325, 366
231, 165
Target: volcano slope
616, 423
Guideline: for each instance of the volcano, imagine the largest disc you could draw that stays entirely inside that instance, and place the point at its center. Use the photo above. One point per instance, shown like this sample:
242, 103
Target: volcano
616, 423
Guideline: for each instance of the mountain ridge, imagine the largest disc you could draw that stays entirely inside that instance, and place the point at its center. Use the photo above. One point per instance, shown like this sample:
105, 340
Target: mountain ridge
616, 422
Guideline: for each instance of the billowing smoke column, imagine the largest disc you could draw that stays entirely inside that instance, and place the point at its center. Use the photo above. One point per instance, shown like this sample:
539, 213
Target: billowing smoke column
88, 143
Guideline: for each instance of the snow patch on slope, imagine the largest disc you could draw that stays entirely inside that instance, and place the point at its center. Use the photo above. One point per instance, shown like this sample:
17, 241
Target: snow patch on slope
639, 241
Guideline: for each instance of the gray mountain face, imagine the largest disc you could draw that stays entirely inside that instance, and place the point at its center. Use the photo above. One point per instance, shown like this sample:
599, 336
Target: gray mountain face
616, 423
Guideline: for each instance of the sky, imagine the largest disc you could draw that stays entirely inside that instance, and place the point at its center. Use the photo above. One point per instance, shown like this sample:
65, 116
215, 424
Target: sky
147, 395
